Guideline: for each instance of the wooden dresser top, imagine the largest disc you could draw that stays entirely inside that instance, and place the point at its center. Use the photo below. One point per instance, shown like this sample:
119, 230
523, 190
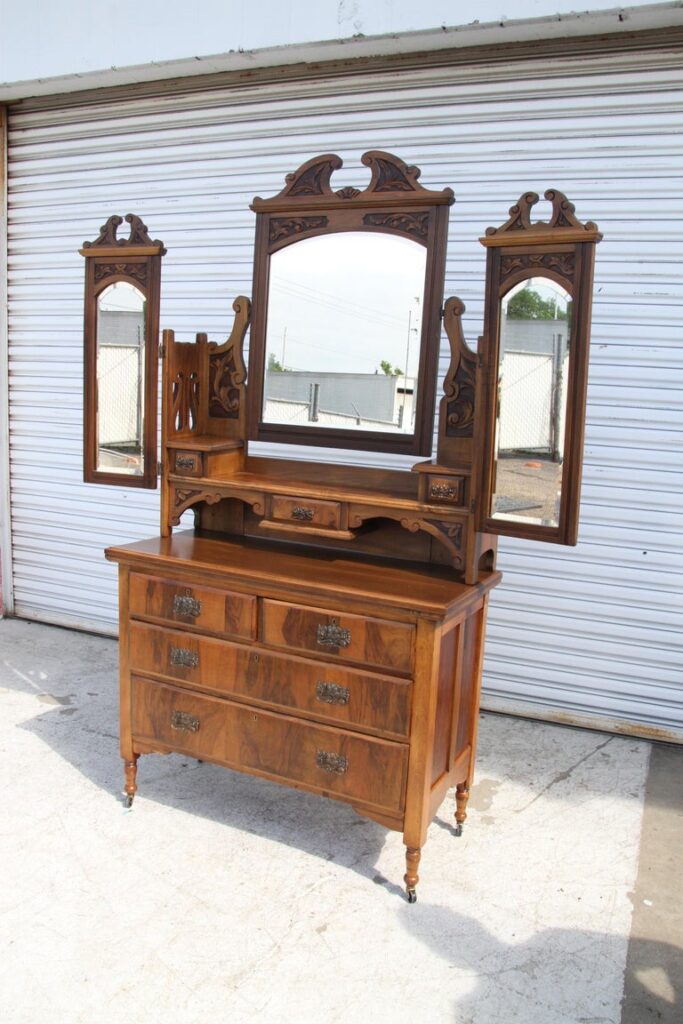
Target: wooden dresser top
258, 565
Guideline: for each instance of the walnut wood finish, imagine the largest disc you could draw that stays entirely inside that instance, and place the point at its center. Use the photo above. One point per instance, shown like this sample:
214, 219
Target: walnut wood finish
137, 261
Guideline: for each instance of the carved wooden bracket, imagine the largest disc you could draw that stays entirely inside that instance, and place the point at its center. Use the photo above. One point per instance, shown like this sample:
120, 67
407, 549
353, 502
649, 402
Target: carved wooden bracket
390, 177
184, 499
447, 532
459, 384
227, 372
563, 222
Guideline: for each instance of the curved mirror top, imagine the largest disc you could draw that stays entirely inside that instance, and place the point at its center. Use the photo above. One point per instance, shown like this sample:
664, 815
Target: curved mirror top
343, 335
120, 379
535, 326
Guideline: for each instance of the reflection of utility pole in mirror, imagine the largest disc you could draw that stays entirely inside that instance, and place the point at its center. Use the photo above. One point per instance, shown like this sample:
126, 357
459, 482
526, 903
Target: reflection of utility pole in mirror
406, 372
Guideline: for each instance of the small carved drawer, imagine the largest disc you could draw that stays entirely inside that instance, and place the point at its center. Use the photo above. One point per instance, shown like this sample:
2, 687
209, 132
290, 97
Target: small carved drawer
216, 611
305, 512
446, 490
188, 463
334, 693
362, 769
367, 641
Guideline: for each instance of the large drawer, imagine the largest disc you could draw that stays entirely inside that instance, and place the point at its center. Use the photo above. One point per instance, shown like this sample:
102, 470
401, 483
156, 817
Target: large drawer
213, 610
340, 636
332, 692
361, 769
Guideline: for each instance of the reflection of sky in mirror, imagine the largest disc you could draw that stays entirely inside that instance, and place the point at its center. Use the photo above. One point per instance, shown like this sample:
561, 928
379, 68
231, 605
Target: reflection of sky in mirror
344, 302
121, 296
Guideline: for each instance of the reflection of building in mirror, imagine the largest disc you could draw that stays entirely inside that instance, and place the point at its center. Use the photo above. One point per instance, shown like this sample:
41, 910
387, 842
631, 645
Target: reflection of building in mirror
120, 379
534, 350
344, 332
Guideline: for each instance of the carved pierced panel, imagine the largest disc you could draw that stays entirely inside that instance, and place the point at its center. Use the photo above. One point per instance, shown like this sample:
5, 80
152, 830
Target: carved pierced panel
284, 227
185, 400
416, 224
563, 264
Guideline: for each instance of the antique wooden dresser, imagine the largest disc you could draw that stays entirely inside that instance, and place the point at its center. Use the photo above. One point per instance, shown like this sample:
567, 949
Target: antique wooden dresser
322, 625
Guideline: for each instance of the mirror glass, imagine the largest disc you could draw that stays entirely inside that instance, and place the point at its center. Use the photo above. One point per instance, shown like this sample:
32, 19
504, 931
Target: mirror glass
535, 328
120, 379
343, 332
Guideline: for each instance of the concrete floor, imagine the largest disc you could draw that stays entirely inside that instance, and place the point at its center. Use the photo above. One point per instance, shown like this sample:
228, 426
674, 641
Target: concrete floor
222, 898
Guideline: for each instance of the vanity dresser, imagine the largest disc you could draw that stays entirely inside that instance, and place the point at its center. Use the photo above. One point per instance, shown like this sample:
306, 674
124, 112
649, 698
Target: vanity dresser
322, 625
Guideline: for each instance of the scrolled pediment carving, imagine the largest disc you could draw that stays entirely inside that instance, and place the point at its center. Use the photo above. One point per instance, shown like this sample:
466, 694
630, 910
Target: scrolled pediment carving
562, 220
137, 235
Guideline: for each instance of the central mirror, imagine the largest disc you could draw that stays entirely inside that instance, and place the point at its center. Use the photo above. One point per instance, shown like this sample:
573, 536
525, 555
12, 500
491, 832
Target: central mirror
343, 336
346, 313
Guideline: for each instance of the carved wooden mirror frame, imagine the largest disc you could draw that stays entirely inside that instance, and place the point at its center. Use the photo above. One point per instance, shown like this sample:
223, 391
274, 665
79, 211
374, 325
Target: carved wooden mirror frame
562, 251
135, 260
392, 203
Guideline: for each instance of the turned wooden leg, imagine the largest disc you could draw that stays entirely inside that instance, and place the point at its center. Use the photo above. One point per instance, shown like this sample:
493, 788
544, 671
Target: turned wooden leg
411, 877
130, 788
462, 795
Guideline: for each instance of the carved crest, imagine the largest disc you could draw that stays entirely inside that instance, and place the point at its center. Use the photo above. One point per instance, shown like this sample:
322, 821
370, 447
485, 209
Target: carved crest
137, 236
563, 219
389, 176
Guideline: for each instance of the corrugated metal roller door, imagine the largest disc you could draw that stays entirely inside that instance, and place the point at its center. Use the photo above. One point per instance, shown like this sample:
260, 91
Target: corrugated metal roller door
592, 630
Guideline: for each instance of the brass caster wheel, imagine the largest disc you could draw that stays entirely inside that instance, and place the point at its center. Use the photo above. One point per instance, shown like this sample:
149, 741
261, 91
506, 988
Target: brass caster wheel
458, 830
127, 800
412, 895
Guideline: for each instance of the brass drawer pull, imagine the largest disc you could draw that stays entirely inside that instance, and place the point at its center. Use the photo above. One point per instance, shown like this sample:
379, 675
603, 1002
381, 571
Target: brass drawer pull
302, 513
185, 462
184, 722
331, 693
182, 656
333, 635
183, 604
334, 763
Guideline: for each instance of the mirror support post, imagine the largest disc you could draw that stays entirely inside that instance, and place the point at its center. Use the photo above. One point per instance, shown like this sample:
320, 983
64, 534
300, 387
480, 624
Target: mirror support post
136, 262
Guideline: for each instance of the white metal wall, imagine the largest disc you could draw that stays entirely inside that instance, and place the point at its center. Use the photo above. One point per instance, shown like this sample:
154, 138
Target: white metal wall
594, 630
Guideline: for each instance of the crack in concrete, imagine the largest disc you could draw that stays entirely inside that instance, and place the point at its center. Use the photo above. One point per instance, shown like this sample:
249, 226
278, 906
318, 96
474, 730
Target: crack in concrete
563, 776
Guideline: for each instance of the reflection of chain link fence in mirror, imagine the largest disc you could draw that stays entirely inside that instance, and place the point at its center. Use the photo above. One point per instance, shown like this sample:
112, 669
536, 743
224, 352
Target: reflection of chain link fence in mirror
532, 413
120, 374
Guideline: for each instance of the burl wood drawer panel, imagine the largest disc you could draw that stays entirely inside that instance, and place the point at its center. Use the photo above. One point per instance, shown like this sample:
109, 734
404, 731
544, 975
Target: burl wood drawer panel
329, 692
359, 768
305, 512
216, 611
368, 641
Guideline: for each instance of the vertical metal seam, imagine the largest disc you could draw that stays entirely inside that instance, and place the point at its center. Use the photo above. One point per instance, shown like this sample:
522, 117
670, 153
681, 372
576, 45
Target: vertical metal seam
6, 567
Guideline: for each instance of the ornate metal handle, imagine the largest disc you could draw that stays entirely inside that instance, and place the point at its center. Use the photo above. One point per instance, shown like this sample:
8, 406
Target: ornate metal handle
334, 763
185, 462
184, 604
183, 656
300, 512
185, 722
442, 491
333, 635
331, 693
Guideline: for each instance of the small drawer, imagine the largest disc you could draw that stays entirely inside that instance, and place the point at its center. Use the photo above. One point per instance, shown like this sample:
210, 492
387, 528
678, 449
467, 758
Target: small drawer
215, 611
305, 512
447, 490
338, 635
188, 463
334, 693
360, 769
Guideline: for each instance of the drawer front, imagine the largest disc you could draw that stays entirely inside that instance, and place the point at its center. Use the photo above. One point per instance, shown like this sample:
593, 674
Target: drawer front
367, 641
305, 512
358, 768
217, 611
188, 463
329, 692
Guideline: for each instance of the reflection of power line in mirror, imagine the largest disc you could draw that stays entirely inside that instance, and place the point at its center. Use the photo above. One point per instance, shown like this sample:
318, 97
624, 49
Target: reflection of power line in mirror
334, 302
